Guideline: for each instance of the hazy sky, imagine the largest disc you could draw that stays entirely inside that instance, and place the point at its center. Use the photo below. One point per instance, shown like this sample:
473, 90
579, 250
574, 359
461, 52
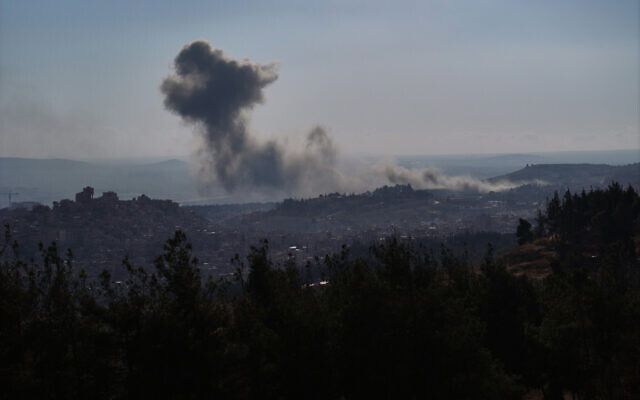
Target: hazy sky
81, 79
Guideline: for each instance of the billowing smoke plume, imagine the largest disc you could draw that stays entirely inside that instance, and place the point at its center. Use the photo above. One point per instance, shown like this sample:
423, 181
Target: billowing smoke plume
216, 93
432, 178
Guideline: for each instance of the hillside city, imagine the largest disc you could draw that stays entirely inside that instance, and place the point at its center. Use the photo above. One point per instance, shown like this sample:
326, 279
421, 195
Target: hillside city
103, 230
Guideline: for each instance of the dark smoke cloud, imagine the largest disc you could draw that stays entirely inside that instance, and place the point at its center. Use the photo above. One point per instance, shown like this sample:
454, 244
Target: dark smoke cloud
216, 93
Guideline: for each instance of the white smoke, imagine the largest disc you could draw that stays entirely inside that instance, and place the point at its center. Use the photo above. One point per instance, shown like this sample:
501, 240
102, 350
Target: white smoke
433, 178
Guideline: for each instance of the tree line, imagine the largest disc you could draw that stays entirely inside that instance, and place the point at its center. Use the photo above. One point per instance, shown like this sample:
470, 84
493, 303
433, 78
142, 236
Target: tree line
401, 322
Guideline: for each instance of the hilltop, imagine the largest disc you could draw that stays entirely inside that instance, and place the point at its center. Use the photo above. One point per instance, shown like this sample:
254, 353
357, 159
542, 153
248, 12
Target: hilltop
575, 176
48, 180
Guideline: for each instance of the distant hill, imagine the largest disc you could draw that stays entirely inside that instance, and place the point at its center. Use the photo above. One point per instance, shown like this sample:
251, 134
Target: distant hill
488, 165
47, 180
575, 176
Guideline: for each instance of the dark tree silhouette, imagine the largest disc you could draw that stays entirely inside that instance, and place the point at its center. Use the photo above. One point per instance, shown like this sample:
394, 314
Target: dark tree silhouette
397, 322
524, 233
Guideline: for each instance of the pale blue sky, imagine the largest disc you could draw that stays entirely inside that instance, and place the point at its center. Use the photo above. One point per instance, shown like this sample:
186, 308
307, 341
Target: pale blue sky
80, 78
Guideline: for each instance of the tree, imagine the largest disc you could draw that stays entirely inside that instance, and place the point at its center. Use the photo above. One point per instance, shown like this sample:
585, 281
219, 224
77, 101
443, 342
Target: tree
524, 233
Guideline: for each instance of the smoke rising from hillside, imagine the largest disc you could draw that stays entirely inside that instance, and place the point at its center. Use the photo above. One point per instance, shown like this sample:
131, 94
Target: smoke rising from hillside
216, 93
432, 178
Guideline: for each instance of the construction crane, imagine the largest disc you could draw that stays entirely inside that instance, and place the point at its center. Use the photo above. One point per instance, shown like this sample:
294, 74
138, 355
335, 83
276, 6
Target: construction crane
10, 194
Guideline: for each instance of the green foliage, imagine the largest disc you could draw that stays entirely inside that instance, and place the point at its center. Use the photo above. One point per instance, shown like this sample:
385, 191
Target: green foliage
398, 323
523, 232
599, 216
